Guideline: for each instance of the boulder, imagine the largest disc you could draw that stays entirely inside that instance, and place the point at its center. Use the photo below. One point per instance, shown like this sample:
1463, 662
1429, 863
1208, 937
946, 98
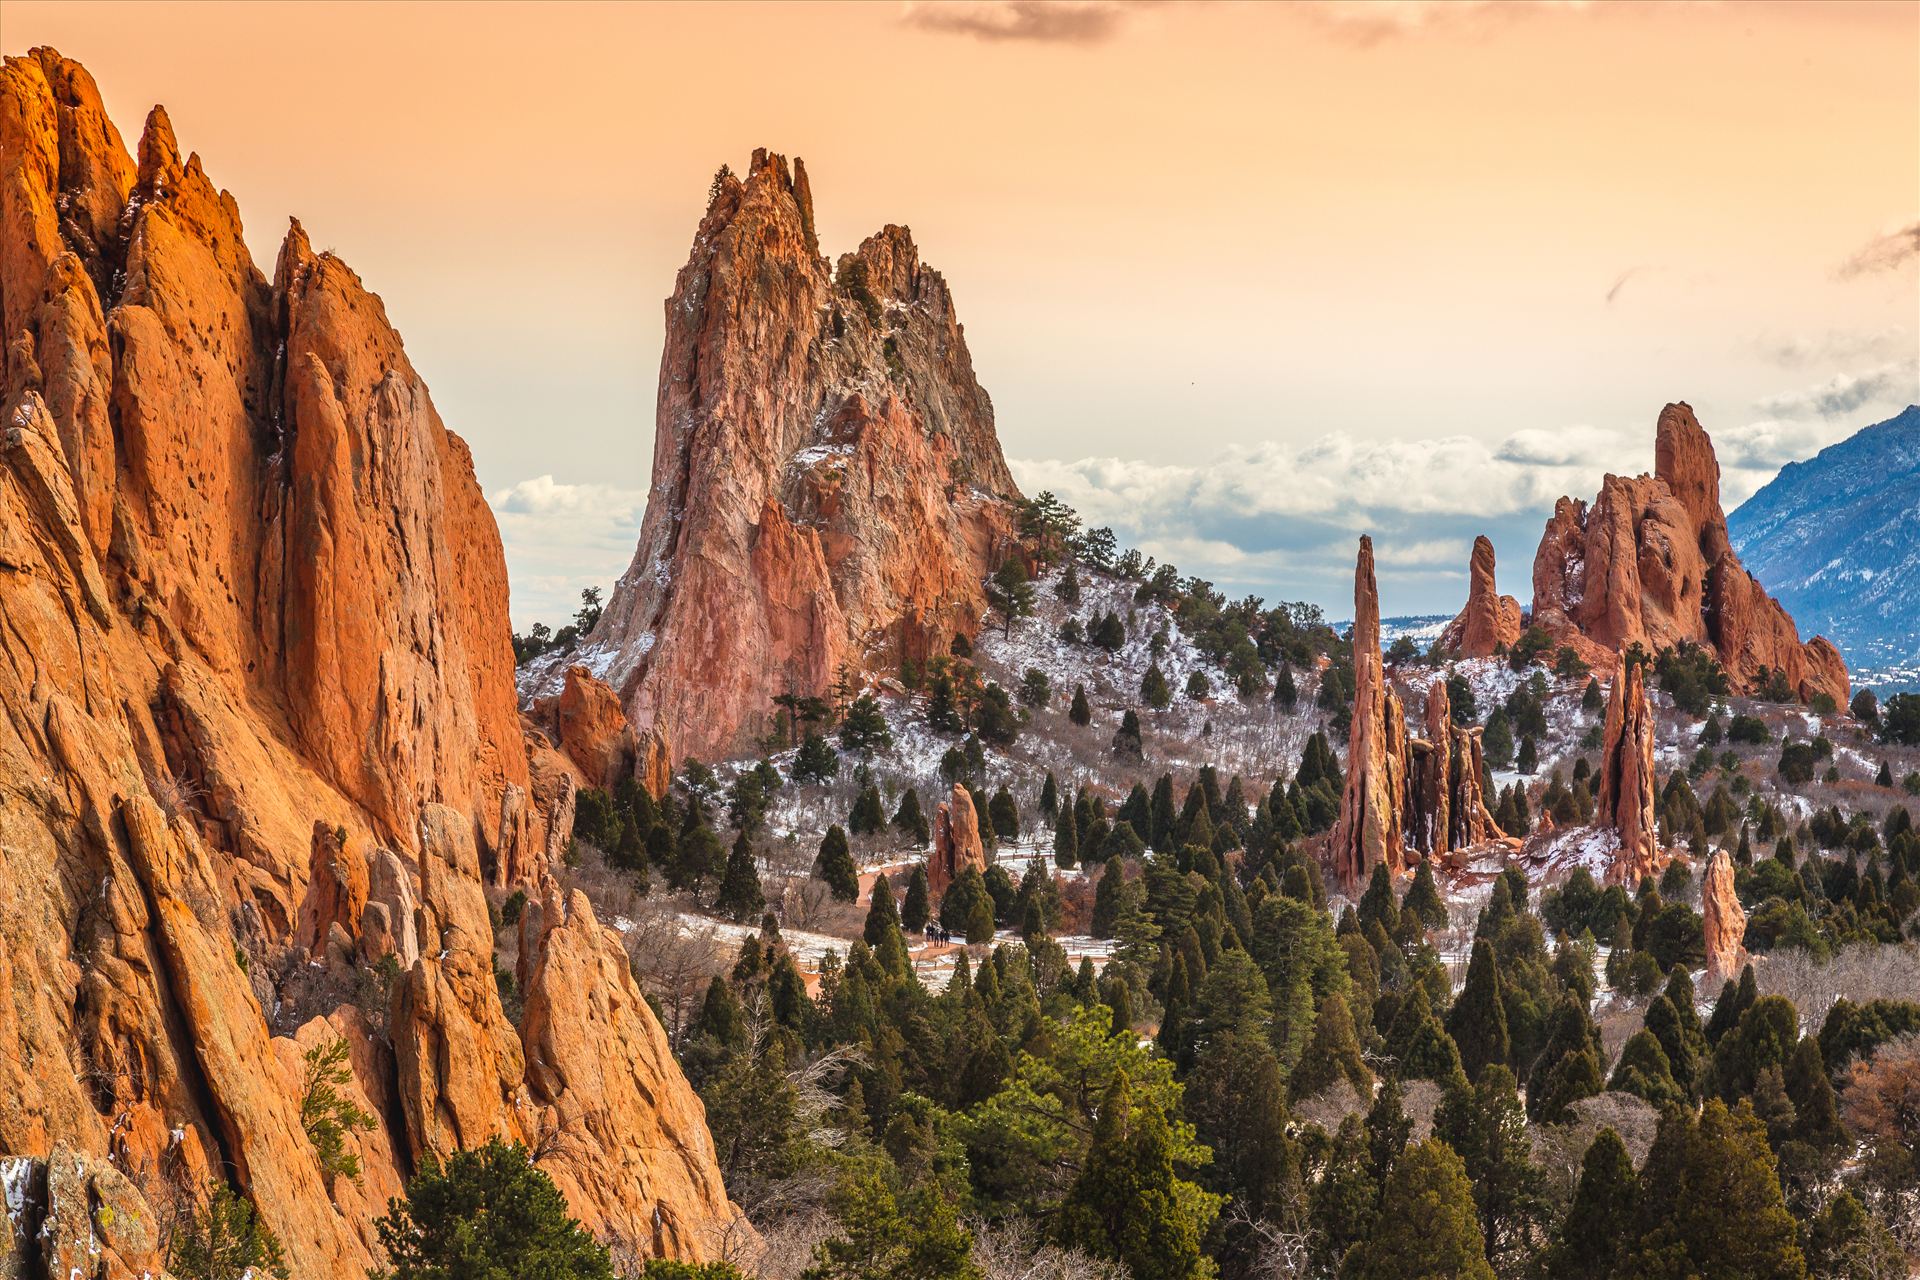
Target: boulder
593, 729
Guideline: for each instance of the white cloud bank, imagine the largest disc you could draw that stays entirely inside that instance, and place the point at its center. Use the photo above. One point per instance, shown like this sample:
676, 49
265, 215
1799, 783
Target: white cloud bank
560, 538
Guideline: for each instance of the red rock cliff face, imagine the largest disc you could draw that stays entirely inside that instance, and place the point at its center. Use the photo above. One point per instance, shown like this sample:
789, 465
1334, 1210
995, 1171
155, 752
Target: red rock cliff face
827, 485
259, 719
1649, 563
1372, 824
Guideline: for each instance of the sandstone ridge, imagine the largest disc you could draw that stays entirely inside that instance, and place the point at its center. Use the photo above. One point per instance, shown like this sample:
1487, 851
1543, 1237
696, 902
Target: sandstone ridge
260, 743
827, 488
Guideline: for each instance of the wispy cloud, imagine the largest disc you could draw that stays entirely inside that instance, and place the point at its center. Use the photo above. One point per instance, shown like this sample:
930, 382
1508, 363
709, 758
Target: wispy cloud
560, 538
1620, 282
1081, 22
1847, 393
1372, 21
1835, 346
1889, 252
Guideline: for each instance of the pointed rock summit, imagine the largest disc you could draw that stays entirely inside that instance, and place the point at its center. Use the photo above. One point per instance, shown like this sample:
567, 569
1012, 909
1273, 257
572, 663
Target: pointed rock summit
1491, 621
1371, 825
828, 490
1649, 563
1723, 918
957, 846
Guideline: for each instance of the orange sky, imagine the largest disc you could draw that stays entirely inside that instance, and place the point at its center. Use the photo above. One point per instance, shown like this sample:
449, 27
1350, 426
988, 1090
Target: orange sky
1200, 250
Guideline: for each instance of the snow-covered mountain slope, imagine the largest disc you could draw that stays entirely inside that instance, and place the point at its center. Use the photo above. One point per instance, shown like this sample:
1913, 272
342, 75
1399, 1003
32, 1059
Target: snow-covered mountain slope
1837, 540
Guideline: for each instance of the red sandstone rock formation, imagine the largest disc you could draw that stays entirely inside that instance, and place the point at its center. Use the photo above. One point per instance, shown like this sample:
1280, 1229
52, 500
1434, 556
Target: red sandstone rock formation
827, 485
1626, 795
1446, 802
593, 729
1649, 563
256, 670
957, 846
1371, 828
1725, 920
1491, 621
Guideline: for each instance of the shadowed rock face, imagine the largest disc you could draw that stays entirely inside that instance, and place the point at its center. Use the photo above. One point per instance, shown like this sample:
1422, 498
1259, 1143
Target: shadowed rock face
1626, 798
1491, 621
1649, 563
260, 724
827, 485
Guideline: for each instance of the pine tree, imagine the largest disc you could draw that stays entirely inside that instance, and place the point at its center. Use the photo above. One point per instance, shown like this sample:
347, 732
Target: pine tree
1528, 761
1004, 815
1718, 1210
1109, 897
1845, 1242
1423, 899
1066, 841
1426, 1226
917, 909
481, 1211
883, 920
1377, 903
869, 815
1284, 691
1080, 712
1487, 1126
1050, 800
967, 907
1332, 1053
1643, 1070
1591, 1235
740, 897
1126, 740
1128, 1204
910, 820
834, 864
1478, 1020
1153, 688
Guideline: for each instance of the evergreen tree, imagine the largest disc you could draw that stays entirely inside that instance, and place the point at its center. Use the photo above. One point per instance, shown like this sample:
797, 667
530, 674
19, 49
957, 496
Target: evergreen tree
1126, 740
916, 1235
1643, 1070
1423, 899
1154, 690
869, 815
1109, 898
863, 730
1591, 1235
1478, 1019
834, 864
1844, 1242
1487, 1126
1284, 691
1066, 841
883, 920
909, 820
222, 1240
1377, 903
1128, 1204
1004, 815
487, 1214
740, 896
967, 908
1050, 800
1080, 712
1427, 1229
1332, 1053
917, 909
1718, 1209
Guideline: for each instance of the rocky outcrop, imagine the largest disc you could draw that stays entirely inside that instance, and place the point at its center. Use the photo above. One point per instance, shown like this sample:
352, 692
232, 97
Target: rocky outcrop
1446, 798
593, 729
71, 1214
259, 725
638, 1162
1723, 918
827, 486
1625, 798
1490, 622
1649, 563
1371, 828
957, 846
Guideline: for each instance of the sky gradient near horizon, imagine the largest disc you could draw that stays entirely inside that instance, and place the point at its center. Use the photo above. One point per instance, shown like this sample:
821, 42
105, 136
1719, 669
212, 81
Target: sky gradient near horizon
1243, 281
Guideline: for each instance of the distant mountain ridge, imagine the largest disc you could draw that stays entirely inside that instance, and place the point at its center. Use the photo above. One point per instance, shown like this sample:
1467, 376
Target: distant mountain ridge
1837, 539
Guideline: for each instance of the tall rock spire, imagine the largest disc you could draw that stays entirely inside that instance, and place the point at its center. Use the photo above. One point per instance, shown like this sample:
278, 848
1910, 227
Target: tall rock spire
827, 487
1371, 828
1626, 800
1490, 622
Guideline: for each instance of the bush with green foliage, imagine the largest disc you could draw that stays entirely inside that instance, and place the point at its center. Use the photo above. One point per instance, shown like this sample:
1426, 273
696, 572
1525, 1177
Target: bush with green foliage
486, 1214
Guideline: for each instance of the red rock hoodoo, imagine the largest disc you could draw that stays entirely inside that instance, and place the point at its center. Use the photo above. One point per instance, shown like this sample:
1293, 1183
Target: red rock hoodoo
1405, 797
1649, 563
1491, 621
1725, 920
260, 725
827, 485
1626, 795
1371, 828
957, 846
